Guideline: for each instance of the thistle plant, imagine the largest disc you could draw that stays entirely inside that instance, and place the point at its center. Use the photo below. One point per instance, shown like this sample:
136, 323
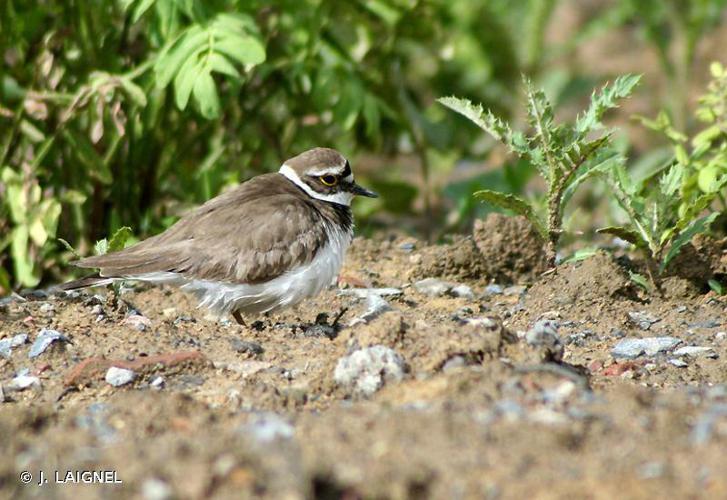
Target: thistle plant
564, 154
663, 216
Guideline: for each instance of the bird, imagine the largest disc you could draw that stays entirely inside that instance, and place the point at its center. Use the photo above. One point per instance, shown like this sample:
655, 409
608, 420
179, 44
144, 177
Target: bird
267, 244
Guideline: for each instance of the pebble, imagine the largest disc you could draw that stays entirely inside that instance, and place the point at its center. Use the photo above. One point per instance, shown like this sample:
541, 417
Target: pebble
494, 289
408, 246
515, 290
138, 322
6, 345
696, 351
22, 381
266, 427
95, 420
642, 319
246, 346
119, 376
44, 340
707, 324
679, 363
158, 383
2, 395
376, 306
704, 426
544, 334
367, 370
720, 336
47, 308
463, 291
631, 348
363, 293
433, 287
156, 489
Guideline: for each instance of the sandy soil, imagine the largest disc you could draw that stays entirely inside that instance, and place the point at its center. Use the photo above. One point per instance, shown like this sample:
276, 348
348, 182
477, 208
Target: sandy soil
461, 398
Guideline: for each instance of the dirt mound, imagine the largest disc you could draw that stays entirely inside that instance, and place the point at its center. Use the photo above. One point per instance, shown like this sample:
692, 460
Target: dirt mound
595, 280
511, 249
458, 260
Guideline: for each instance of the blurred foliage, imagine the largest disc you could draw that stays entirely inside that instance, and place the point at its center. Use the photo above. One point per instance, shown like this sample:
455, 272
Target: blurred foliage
564, 155
126, 112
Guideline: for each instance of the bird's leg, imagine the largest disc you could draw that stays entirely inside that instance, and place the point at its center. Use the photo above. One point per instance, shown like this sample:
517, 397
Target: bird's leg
238, 318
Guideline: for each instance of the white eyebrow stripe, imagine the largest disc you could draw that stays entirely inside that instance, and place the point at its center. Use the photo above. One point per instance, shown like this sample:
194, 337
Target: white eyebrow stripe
326, 171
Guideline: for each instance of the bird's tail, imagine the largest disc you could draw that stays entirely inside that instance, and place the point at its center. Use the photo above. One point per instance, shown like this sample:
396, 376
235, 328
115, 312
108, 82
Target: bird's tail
91, 280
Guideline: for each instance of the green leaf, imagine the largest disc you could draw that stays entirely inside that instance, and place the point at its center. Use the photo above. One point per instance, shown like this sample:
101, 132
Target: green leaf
515, 204
101, 247
582, 254
25, 272
119, 239
604, 100
488, 122
68, 247
625, 234
206, 94
699, 226
716, 286
640, 280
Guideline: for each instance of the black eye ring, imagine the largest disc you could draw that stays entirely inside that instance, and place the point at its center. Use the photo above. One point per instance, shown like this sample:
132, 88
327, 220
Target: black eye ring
328, 180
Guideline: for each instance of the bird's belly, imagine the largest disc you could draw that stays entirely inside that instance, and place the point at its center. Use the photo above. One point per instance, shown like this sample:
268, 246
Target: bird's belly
286, 290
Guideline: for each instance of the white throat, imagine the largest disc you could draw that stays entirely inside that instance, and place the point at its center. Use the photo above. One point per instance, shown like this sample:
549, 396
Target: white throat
342, 198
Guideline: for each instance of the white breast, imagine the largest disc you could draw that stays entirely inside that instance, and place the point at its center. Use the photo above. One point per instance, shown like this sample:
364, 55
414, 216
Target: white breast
286, 290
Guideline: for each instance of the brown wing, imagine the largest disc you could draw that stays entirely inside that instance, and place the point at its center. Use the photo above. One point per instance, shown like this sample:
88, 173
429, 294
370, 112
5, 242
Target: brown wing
249, 235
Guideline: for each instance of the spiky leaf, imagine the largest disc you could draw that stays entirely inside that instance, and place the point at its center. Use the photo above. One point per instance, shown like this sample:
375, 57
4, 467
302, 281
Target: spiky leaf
604, 100
624, 233
699, 226
488, 122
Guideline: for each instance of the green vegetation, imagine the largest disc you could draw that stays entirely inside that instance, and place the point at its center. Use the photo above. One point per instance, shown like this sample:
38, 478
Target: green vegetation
565, 155
125, 113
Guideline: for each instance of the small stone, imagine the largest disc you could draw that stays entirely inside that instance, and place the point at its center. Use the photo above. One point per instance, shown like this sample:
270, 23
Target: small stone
376, 306
682, 309
710, 323
433, 287
246, 346
119, 376
47, 308
651, 470
696, 351
267, 427
45, 339
544, 335
642, 319
720, 336
631, 348
2, 395
157, 383
453, 363
515, 290
367, 370
22, 381
156, 489
679, 363
494, 289
7, 345
363, 293
408, 246
463, 291
137, 322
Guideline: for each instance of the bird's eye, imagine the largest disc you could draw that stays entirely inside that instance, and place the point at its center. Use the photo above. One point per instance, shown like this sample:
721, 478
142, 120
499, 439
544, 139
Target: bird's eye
329, 180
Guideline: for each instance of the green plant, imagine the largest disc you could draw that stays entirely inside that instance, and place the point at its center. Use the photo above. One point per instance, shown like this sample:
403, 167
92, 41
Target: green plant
564, 155
659, 221
664, 216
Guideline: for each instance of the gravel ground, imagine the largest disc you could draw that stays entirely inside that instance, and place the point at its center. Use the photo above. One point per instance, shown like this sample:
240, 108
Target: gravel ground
417, 377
